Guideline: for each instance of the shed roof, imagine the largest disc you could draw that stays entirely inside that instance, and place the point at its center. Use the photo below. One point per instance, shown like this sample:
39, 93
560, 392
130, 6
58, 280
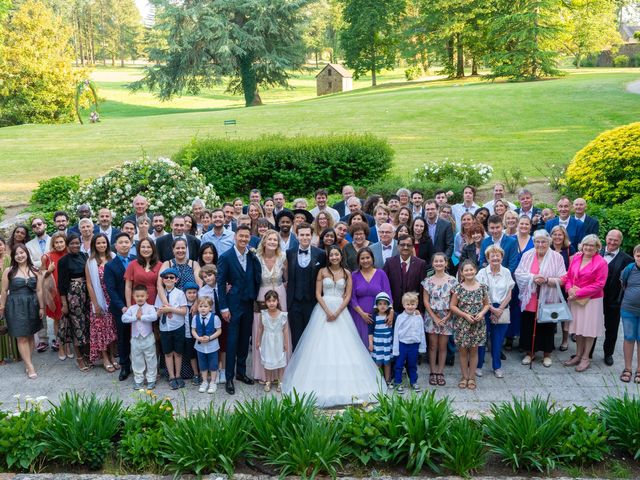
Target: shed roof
343, 72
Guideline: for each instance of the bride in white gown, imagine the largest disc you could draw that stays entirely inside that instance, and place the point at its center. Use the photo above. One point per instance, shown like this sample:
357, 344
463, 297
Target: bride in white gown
330, 360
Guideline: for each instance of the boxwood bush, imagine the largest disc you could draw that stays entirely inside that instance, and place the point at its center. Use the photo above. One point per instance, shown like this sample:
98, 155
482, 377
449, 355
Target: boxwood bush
607, 170
624, 216
293, 165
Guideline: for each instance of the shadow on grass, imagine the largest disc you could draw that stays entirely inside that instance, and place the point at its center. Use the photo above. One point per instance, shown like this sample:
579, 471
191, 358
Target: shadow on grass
114, 109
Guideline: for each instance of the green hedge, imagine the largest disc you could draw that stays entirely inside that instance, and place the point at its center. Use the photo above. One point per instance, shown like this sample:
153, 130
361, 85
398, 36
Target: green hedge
293, 165
624, 216
288, 436
51, 195
391, 185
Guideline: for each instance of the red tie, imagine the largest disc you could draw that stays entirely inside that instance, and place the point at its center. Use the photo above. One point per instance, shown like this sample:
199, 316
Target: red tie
403, 265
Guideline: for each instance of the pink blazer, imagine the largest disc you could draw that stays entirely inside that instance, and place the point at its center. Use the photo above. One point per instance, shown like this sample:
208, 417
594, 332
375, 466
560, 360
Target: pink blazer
590, 280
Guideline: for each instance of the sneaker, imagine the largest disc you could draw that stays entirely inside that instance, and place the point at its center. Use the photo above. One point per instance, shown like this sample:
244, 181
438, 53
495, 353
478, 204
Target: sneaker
526, 360
222, 378
137, 386
400, 388
390, 385
173, 383
416, 388
181, 383
196, 380
499, 373
547, 362
212, 388
204, 386
151, 385
478, 372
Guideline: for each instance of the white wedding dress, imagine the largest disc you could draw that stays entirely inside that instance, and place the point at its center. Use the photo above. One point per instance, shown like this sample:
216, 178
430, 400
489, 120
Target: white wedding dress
330, 360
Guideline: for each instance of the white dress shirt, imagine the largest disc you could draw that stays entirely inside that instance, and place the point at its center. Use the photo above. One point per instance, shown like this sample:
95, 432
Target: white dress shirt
409, 329
609, 256
386, 251
304, 259
500, 284
142, 327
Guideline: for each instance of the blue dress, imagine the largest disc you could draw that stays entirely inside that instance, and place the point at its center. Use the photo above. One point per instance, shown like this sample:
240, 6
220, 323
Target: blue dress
514, 305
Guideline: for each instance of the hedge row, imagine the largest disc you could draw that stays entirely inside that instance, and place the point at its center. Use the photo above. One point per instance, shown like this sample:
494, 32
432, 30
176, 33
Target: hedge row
289, 436
292, 165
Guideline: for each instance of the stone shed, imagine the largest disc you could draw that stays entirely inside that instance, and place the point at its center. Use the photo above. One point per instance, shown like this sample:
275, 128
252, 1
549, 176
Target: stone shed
333, 78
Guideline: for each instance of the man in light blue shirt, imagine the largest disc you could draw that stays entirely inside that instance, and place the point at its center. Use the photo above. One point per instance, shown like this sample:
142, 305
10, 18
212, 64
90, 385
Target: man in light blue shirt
221, 238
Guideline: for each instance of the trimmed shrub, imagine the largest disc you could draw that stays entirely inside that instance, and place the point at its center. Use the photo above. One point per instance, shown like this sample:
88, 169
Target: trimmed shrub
624, 217
52, 195
169, 188
293, 165
607, 170
469, 173
621, 61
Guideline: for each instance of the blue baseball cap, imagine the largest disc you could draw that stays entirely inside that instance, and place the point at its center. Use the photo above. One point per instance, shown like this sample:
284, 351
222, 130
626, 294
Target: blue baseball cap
190, 286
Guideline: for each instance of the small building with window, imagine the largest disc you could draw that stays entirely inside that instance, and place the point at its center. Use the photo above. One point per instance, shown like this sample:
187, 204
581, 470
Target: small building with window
333, 78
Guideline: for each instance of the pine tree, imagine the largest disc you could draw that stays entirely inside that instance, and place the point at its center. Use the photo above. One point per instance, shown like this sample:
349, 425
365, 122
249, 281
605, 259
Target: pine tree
256, 43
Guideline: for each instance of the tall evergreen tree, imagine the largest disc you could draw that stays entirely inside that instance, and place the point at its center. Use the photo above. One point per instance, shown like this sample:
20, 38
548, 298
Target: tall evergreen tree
256, 43
523, 39
371, 38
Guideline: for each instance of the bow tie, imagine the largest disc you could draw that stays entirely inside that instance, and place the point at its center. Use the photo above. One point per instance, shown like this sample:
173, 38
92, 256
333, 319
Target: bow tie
388, 247
609, 254
303, 252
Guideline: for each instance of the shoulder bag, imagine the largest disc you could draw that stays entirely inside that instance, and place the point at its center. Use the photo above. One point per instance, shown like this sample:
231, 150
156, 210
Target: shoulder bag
554, 312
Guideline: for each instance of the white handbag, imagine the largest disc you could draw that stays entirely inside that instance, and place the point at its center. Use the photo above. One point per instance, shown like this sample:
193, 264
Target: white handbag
554, 312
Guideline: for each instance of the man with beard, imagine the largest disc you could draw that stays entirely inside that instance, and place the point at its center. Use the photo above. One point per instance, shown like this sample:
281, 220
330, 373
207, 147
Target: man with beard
284, 222
158, 223
221, 237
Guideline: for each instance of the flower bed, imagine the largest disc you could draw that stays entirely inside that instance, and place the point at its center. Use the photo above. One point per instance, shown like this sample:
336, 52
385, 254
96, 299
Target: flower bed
289, 436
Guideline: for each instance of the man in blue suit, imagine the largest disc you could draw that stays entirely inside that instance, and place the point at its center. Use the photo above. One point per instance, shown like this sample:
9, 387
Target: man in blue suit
115, 283
591, 225
240, 269
575, 228
497, 237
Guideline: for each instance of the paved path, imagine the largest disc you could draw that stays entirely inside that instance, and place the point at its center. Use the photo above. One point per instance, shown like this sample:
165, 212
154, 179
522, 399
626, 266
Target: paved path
562, 384
633, 87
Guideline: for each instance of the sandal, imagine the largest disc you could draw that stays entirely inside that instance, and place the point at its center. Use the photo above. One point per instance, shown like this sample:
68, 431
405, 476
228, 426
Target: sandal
116, 365
279, 388
32, 376
462, 383
564, 347
109, 368
83, 367
471, 384
432, 379
636, 379
267, 386
440, 379
625, 376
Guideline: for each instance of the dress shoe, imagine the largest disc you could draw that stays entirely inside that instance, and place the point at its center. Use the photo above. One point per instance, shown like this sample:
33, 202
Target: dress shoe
244, 379
231, 390
608, 360
502, 356
124, 373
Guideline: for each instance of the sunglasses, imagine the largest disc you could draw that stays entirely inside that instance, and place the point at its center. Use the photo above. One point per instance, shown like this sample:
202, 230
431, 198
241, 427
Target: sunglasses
169, 277
33, 225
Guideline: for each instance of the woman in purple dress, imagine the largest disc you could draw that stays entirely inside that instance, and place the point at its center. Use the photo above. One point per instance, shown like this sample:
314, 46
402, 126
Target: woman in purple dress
368, 282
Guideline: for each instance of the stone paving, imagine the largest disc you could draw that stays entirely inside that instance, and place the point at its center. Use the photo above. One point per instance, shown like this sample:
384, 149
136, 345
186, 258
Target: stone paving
561, 384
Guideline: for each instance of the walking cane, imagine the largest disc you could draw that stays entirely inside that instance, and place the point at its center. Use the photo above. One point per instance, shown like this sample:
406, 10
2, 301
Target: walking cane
535, 324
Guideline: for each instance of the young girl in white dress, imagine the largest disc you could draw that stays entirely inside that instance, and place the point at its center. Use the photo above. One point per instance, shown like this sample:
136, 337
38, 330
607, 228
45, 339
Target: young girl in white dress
331, 362
273, 338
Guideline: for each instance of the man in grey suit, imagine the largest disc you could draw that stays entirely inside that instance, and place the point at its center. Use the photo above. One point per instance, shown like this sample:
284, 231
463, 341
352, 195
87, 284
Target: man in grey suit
440, 231
386, 247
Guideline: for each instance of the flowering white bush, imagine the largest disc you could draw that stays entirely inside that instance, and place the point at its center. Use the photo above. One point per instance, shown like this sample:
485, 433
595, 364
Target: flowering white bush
169, 188
469, 173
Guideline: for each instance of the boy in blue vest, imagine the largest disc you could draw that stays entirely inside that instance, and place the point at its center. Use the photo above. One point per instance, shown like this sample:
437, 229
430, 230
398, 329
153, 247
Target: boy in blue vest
206, 328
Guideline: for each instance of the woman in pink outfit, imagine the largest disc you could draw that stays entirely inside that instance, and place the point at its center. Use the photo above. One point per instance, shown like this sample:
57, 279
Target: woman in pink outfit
584, 283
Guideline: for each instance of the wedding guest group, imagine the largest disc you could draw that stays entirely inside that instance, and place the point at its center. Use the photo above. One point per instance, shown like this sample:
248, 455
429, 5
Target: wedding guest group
336, 300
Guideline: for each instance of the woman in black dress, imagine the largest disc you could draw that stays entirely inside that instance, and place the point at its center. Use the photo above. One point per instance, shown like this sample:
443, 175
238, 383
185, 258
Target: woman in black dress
21, 303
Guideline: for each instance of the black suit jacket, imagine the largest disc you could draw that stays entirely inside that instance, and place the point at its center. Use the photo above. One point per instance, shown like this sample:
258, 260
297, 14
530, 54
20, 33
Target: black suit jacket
244, 283
534, 211
612, 287
341, 207
317, 261
165, 247
443, 239
115, 283
591, 226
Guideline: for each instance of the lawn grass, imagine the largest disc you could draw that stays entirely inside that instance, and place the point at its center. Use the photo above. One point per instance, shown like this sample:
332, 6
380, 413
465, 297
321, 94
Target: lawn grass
503, 124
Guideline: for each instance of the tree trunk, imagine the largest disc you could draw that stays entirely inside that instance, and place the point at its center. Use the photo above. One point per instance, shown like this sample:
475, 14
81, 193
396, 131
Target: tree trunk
474, 67
92, 51
249, 83
80, 48
578, 60
316, 52
450, 56
460, 56
374, 80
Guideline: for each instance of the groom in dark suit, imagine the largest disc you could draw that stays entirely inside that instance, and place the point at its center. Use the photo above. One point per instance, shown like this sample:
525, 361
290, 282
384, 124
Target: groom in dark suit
115, 284
303, 265
164, 244
240, 269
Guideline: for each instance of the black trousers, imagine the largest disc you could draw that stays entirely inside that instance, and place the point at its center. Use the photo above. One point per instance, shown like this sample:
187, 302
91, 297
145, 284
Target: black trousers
238, 338
124, 342
611, 327
299, 315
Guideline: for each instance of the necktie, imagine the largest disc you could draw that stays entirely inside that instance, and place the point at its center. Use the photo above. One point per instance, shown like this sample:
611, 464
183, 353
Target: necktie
403, 265
163, 320
303, 252
42, 244
125, 262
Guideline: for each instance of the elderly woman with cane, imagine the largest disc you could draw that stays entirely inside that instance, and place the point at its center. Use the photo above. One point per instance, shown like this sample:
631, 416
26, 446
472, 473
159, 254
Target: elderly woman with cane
539, 276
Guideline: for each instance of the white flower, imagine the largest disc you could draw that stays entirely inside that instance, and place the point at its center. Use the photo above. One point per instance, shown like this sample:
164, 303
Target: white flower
17, 396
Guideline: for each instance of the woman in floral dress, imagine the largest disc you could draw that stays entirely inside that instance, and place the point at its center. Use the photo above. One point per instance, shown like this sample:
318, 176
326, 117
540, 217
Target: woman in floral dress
102, 328
469, 304
438, 321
